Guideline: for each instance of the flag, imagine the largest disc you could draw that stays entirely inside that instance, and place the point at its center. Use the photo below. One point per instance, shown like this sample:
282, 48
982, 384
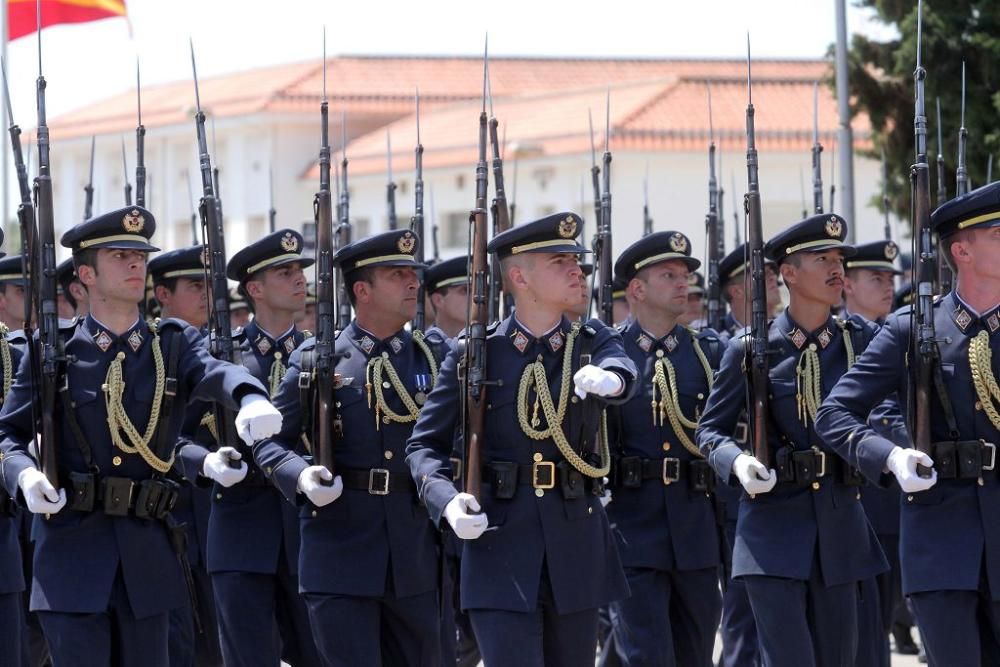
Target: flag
22, 14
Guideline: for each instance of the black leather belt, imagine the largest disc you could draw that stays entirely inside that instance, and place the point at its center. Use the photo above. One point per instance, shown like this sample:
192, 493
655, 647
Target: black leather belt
964, 459
121, 496
505, 476
376, 481
807, 467
632, 471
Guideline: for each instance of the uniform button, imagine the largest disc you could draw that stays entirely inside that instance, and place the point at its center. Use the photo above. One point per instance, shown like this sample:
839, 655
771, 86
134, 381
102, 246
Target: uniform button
885, 421
116, 461
590, 510
574, 399
539, 492
388, 454
858, 497
218, 496
386, 385
666, 446
700, 396
268, 470
536, 458
909, 499
815, 486
979, 405
314, 513
338, 404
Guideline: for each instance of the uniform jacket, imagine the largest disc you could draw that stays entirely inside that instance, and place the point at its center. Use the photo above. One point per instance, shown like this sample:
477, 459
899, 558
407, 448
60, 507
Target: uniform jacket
503, 567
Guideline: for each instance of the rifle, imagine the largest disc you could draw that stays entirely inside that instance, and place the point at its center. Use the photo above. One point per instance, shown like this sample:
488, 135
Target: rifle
595, 174
758, 309
833, 172
500, 215
961, 171
325, 432
719, 199
602, 239
817, 156
140, 148
215, 173
885, 197
736, 216
802, 193
647, 222
942, 187
343, 236
88, 189
417, 221
473, 364
210, 210
128, 186
924, 353
713, 288
272, 213
513, 193
434, 229
390, 188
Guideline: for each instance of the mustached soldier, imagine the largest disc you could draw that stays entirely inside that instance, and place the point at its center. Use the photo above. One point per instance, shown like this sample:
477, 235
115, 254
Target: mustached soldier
547, 561
105, 574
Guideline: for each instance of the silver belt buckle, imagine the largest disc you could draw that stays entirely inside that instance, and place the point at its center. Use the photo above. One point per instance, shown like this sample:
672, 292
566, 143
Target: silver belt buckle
821, 455
378, 474
669, 478
993, 454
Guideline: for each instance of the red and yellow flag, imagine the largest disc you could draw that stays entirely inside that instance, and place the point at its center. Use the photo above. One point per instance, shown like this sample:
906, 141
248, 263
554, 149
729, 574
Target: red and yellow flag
22, 14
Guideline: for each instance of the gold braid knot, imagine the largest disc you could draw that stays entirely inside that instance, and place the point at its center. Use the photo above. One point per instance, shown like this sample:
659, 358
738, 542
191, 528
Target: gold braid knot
118, 420
8, 372
665, 379
981, 364
534, 375
208, 421
380, 366
807, 372
277, 374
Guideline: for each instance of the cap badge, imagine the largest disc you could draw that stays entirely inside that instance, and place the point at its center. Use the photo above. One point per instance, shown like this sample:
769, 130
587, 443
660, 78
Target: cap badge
133, 222
891, 251
289, 243
567, 227
678, 243
406, 243
834, 227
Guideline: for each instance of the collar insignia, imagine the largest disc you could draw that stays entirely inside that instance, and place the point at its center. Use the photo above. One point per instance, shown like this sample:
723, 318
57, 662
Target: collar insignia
289, 344
367, 344
406, 243
824, 338
556, 340
797, 337
962, 318
103, 341
678, 243
833, 227
645, 342
396, 344
520, 341
670, 342
289, 243
135, 340
263, 344
133, 222
993, 322
567, 227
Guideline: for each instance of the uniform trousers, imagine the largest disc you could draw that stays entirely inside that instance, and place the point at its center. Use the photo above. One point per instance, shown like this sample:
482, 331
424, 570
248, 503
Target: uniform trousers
539, 638
804, 623
249, 605
188, 646
737, 630
12, 629
111, 637
959, 627
670, 619
387, 631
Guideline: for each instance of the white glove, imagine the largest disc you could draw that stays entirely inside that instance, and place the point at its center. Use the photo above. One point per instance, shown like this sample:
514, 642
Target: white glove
41, 496
459, 513
903, 464
257, 419
216, 467
592, 379
606, 498
311, 484
754, 475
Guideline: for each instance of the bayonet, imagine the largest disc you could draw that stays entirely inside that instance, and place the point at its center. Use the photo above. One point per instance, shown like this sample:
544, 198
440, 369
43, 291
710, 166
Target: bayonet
128, 186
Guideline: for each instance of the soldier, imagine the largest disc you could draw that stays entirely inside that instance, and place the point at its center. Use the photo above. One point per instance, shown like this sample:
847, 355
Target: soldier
178, 278
369, 563
105, 575
662, 507
737, 628
694, 315
446, 286
802, 539
949, 544
578, 312
532, 581
239, 309
253, 536
620, 306
12, 292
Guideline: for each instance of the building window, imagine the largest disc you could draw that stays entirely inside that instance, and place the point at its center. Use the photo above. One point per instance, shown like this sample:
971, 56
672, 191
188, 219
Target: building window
454, 233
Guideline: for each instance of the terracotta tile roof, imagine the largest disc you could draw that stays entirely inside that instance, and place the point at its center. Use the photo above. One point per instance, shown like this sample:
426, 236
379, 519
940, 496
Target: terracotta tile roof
383, 86
670, 114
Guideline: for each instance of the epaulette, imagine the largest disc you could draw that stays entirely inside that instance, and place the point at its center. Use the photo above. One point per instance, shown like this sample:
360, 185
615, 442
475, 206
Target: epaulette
171, 322
621, 327
434, 337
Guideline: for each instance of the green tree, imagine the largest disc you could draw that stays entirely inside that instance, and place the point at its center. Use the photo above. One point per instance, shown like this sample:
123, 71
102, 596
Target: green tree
881, 84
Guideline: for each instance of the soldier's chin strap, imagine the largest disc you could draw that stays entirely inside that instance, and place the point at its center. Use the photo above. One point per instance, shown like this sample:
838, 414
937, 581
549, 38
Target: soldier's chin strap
534, 375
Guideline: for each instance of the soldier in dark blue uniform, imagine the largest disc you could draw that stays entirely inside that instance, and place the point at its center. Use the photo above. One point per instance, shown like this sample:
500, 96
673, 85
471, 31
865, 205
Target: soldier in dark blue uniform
253, 536
446, 285
12, 288
868, 294
178, 278
539, 560
949, 540
695, 313
620, 303
802, 538
662, 514
369, 563
105, 574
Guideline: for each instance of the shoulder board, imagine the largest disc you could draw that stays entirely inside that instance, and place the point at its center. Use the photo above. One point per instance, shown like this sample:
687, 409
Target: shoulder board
621, 327
306, 334
171, 322
18, 335
64, 325
434, 337
706, 334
